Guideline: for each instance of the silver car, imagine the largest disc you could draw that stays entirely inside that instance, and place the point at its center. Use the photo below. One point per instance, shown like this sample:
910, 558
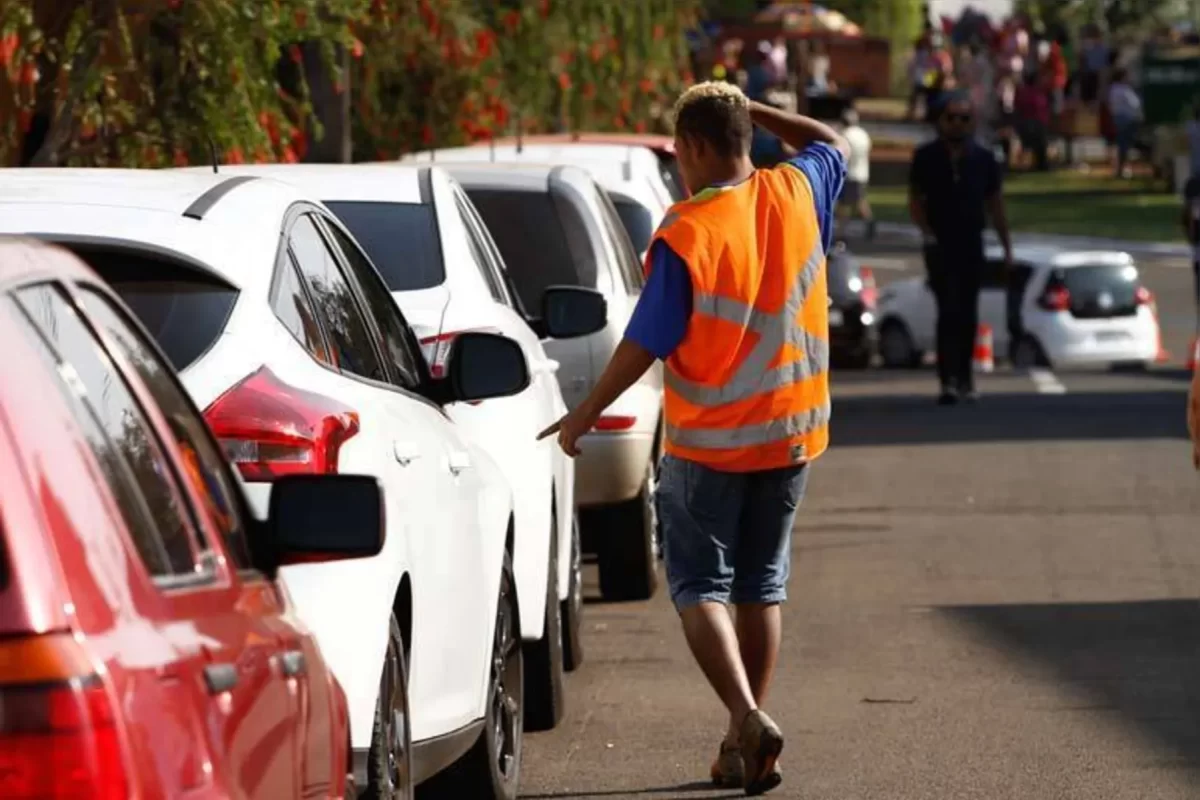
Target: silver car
555, 226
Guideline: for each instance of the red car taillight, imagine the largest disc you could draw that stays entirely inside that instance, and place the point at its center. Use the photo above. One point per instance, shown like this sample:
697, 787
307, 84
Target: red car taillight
436, 349
870, 292
614, 423
1055, 298
1143, 296
58, 728
269, 429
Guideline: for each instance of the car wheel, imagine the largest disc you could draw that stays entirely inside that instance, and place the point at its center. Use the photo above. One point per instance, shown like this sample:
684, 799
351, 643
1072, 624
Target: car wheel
1027, 353
491, 769
627, 541
389, 766
572, 607
896, 346
544, 658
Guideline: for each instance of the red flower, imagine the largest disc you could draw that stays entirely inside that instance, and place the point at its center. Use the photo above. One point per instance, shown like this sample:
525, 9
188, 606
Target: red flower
180, 159
512, 19
235, 156
174, 5
299, 142
618, 122
29, 74
8, 48
484, 40
659, 33
500, 113
596, 51
87, 131
426, 134
589, 90
564, 80
295, 54
261, 157
544, 8
640, 127
289, 155
646, 85
151, 155
356, 48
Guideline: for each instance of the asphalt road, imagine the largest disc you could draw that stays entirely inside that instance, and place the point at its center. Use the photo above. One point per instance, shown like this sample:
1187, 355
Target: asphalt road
992, 602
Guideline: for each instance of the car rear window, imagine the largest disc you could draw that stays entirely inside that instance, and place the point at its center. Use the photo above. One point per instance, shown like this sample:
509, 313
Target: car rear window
1090, 284
636, 219
184, 309
527, 230
401, 239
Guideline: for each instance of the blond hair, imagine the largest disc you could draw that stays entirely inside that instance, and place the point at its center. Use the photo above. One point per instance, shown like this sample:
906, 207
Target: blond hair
717, 113
711, 91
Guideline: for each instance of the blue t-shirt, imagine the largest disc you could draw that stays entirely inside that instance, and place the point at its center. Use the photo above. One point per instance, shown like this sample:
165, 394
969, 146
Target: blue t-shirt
660, 319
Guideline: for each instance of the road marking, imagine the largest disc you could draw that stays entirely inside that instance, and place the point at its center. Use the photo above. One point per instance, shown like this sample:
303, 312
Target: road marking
1045, 382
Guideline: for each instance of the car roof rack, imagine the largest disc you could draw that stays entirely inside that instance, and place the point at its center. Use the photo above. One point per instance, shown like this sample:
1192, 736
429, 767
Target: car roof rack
204, 203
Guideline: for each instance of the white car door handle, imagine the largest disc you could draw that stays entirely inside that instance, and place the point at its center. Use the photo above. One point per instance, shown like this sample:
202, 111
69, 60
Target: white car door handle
405, 452
459, 461
546, 365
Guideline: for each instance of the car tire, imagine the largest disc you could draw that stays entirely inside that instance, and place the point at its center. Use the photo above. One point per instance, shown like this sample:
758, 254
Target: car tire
1027, 353
491, 769
896, 346
626, 538
544, 658
389, 764
571, 612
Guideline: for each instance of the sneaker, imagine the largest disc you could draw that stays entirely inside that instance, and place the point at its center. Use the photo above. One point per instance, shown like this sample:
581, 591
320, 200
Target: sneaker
761, 743
971, 396
728, 771
948, 397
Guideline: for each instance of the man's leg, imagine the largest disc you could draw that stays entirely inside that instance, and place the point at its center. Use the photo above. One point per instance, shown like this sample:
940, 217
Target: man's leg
698, 510
935, 269
968, 329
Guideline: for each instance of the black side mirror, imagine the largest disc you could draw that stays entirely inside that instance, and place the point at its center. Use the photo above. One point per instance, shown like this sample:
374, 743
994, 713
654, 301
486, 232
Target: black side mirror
325, 518
481, 366
569, 312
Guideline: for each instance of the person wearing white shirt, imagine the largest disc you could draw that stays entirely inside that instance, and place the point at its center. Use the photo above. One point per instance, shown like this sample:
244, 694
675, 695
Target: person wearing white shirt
858, 170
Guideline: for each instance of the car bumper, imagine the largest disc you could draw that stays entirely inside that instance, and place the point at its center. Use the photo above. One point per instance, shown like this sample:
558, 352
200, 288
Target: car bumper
611, 467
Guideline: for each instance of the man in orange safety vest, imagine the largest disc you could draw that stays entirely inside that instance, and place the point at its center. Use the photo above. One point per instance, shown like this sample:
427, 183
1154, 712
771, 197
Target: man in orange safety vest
736, 306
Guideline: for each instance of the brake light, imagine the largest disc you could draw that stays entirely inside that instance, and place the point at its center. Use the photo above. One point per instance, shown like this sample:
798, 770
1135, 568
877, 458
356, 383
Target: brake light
58, 728
436, 349
614, 423
269, 429
869, 293
1055, 298
1143, 296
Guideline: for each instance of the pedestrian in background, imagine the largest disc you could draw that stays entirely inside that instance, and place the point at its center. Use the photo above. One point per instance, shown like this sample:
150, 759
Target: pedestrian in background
858, 171
736, 306
954, 185
1126, 109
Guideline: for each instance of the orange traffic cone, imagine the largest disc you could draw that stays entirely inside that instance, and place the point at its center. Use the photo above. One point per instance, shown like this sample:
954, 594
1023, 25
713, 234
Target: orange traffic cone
983, 359
1162, 356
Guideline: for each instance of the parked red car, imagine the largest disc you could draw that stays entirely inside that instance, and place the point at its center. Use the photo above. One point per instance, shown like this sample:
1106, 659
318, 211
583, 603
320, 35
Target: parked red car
145, 649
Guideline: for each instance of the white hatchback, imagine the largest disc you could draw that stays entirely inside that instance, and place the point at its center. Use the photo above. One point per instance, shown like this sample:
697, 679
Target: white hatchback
1056, 307
423, 234
287, 337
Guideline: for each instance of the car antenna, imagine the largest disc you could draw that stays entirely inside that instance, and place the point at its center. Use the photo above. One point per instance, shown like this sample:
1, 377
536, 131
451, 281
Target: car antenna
212, 151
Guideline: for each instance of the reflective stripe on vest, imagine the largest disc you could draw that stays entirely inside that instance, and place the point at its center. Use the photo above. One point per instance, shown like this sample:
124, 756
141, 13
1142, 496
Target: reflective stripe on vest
750, 435
774, 330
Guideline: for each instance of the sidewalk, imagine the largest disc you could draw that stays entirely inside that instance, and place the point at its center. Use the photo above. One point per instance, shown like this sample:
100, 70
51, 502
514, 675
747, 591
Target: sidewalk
1134, 248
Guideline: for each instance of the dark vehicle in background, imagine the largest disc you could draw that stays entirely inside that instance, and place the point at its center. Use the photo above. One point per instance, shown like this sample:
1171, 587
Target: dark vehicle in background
853, 335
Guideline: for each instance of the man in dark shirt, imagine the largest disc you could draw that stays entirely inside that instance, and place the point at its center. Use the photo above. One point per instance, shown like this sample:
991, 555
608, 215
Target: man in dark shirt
954, 184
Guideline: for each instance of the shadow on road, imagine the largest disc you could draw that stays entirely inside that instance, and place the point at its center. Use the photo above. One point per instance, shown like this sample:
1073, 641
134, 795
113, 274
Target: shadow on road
687, 790
911, 419
1139, 659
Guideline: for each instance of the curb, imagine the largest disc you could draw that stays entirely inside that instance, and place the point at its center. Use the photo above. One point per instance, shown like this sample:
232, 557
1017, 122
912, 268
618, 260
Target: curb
1134, 248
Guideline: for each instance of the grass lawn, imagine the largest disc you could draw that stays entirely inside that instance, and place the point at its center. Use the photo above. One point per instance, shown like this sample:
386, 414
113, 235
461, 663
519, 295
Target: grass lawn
1070, 203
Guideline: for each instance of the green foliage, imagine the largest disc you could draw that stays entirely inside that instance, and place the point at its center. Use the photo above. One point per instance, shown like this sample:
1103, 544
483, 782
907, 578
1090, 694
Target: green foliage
160, 82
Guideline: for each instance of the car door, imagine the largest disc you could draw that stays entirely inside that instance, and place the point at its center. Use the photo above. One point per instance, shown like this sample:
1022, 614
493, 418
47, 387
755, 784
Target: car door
228, 652
447, 557
209, 477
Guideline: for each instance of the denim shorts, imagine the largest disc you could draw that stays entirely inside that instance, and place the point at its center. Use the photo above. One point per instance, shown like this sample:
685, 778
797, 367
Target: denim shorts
727, 535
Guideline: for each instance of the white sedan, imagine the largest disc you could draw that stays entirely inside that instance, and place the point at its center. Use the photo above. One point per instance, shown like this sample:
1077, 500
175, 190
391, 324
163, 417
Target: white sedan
423, 234
1056, 307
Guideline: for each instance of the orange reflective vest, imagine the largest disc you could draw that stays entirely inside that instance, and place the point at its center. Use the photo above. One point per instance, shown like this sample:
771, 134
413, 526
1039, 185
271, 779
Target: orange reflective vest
748, 387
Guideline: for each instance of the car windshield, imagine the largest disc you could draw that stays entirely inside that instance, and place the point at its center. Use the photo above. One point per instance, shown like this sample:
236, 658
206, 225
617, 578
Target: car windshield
527, 230
401, 239
637, 221
184, 309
